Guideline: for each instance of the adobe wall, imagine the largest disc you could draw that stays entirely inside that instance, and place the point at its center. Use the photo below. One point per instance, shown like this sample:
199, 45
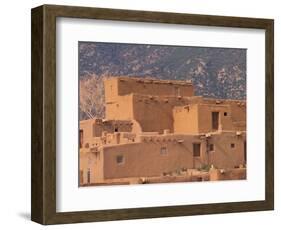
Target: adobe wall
154, 114
148, 102
228, 150
90, 161
120, 109
185, 119
145, 159
143, 156
111, 126
87, 127
239, 115
197, 118
230, 174
128, 101
96, 127
231, 116
110, 89
235, 117
119, 138
138, 110
119, 86
205, 117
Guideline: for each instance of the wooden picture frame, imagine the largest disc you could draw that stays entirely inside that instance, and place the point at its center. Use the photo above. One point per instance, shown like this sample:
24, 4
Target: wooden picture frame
43, 205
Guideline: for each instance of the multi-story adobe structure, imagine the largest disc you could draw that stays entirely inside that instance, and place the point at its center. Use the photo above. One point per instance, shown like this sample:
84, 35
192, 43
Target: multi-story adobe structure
155, 128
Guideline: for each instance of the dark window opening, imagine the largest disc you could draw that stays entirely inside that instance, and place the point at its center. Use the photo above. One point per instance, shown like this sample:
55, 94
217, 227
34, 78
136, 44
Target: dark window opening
215, 120
119, 159
81, 177
80, 138
163, 151
232, 145
225, 114
116, 129
211, 147
196, 149
89, 176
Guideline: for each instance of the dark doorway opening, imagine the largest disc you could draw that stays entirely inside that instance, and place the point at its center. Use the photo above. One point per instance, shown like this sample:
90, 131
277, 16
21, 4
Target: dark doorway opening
196, 149
80, 138
89, 176
215, 120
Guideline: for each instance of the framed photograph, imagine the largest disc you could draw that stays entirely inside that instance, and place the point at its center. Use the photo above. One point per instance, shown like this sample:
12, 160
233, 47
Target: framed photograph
140, 114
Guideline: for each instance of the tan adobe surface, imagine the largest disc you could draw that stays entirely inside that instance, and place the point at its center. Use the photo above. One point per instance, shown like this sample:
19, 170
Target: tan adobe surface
158, 128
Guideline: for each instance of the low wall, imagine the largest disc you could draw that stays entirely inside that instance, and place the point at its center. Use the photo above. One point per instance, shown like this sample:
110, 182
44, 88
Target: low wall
227, 174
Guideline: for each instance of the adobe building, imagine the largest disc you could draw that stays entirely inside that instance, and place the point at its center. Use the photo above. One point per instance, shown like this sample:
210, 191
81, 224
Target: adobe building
157, 130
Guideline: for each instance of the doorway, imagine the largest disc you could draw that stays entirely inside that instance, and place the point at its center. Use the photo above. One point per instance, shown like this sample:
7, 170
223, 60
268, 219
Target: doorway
215, 120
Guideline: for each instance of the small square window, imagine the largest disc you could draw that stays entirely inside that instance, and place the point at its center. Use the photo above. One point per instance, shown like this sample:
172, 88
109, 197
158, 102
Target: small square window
225, 114
211, 147
232, 145
119, 159
163, 151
